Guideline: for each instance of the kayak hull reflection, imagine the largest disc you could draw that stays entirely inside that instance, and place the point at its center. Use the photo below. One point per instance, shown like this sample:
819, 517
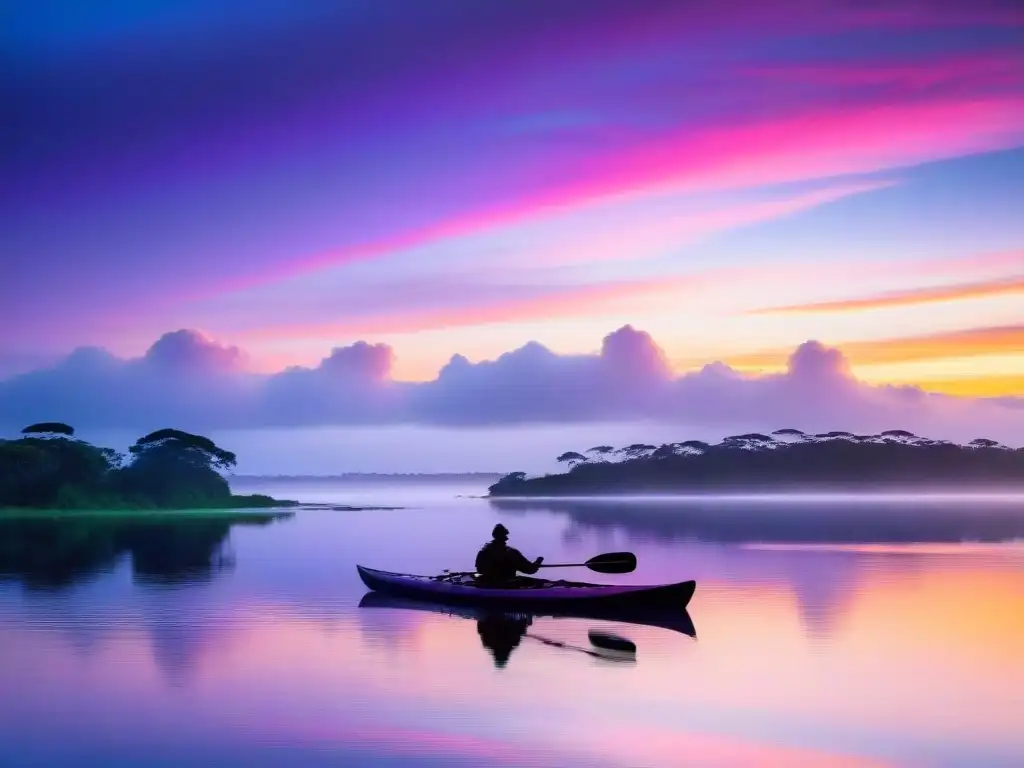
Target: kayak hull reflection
672, 619
530, 594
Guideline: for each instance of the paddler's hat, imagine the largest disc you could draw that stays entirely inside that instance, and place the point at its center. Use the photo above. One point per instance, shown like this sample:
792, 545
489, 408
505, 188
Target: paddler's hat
500, 532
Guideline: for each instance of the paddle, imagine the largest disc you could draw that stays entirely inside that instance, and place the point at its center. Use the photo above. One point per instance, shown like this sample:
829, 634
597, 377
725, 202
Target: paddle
595, 654
610, 562
611, 642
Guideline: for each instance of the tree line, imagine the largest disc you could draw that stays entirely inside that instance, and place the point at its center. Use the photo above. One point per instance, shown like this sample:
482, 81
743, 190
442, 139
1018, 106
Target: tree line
49, 468
786, 457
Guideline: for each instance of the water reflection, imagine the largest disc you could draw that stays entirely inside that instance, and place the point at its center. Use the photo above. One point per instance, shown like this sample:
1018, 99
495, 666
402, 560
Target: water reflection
57, 552
271, 665
49, 556
780, 519
502, 633
819, 554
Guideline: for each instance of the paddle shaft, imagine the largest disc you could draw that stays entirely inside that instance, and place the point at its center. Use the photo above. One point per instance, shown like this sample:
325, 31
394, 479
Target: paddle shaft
611, 562
543, 565
578, 565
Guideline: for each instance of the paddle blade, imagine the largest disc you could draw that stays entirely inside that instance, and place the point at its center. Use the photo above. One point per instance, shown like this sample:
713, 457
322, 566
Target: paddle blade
613, 562
611, 642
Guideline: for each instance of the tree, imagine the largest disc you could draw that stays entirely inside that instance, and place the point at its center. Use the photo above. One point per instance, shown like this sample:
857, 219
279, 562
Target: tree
571, 458
197, 447
749, 440
899, 433
984, 442
506, 486
636, 450
40, 471
171, 468
694, 445
49, 427
664, 451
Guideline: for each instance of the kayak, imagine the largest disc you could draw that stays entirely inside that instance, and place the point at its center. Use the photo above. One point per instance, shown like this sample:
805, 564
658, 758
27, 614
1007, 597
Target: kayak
527, 593
672, 619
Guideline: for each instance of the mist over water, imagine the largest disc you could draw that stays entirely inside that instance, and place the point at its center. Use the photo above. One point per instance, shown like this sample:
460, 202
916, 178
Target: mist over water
872, 631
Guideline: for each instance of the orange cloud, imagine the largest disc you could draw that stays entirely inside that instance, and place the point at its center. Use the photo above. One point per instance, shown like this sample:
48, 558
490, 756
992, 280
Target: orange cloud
979, 386
998, 287
972, 342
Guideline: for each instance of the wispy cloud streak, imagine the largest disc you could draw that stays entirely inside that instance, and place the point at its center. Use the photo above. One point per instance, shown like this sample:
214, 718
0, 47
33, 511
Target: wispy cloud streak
929, 295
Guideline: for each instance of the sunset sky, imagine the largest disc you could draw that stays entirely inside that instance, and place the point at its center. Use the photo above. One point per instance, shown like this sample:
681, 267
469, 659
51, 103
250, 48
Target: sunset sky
465, 177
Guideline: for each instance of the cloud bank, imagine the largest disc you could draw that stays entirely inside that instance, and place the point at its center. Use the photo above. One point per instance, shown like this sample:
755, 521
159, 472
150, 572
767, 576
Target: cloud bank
192, 382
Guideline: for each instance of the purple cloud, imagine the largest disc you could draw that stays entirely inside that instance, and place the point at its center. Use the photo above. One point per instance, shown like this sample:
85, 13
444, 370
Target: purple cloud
192, 382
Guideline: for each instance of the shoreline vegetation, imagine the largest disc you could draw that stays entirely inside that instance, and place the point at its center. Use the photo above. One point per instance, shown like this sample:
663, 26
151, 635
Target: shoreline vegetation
372, 477
788, 459
48, 468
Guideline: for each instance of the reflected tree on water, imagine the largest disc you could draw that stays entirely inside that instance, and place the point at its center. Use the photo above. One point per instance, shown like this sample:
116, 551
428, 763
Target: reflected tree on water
58, 552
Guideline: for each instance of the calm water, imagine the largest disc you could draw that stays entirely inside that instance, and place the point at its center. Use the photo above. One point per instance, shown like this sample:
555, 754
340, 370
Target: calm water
827, 634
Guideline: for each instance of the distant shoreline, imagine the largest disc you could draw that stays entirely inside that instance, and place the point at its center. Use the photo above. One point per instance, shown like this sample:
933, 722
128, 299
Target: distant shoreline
867, 492
411, 477
785, 462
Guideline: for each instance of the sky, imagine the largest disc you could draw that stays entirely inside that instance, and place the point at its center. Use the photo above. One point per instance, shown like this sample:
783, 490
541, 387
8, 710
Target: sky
399, 223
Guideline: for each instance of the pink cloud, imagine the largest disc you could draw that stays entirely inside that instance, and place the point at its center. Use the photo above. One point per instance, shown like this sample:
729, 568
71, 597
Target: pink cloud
809, 144
992, 70
639, 234
194, 351
824, 143
628, 380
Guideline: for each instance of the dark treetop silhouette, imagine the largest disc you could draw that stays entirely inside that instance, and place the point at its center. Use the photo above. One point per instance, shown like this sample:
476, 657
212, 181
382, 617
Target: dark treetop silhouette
786, 458
49, 468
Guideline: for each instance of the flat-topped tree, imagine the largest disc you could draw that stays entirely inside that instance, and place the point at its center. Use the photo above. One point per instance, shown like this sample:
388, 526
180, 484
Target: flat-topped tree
984, 442
571, 458
636, 450
195, 447
49, 428
176, 468
899, 433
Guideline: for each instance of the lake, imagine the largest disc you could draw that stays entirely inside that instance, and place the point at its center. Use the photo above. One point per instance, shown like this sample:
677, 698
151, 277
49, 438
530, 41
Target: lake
886, 631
